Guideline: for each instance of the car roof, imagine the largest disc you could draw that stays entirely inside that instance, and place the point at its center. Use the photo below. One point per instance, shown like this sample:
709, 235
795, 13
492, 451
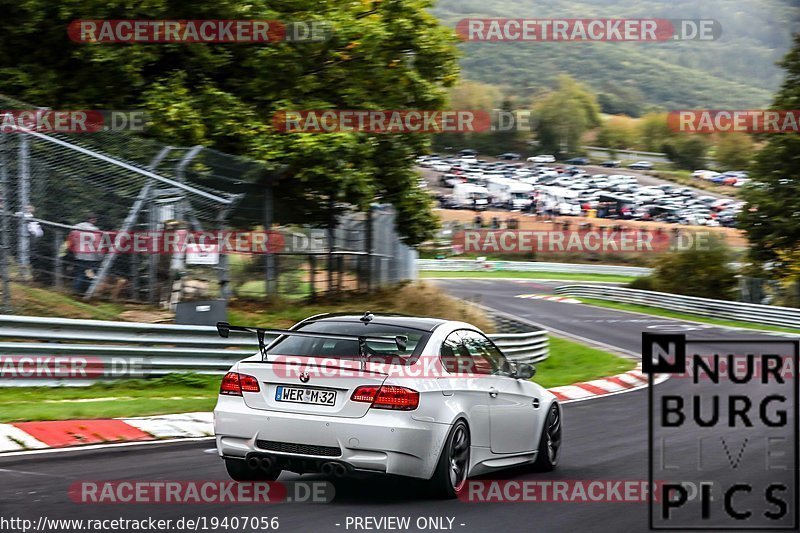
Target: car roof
389, 319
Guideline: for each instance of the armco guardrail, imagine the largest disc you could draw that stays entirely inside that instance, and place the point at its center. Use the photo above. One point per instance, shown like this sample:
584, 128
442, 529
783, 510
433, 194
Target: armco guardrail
131, 349
461, 265
756, 313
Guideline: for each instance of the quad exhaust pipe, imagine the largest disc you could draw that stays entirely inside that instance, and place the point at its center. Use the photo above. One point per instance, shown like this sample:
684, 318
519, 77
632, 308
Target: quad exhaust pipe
266, 463
333, 469
260, 463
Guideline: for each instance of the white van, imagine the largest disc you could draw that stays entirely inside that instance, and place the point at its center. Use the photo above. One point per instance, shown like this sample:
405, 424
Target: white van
469, 196
565, 200
509, 192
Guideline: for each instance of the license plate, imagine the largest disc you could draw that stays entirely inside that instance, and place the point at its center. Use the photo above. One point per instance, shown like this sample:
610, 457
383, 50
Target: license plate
301, 395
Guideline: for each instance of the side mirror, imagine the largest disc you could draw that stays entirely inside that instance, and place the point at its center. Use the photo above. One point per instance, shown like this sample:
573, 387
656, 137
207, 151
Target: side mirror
224, 329
525, 371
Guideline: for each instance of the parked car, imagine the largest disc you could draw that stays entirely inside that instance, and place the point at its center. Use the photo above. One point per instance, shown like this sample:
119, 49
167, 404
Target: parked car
542, 159
509, 156
577, 161
468, 151
641, 165
611, 164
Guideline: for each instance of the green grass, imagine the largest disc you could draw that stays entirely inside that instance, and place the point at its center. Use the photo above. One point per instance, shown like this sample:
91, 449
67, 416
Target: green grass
174, 393
567, 276
571, 362
28, 300
403, 299
647, 310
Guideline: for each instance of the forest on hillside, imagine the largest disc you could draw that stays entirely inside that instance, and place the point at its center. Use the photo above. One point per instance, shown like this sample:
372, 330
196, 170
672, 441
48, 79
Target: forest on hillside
736, 71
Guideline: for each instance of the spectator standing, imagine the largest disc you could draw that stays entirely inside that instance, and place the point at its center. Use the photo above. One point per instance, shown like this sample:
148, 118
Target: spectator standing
86, 258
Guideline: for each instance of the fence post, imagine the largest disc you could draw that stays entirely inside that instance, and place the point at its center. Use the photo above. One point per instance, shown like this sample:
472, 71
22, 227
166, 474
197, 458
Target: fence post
152, 258
312, 275
368, 246
4, 226
135, 277
58, 238
23, 191
331, 244
270, 274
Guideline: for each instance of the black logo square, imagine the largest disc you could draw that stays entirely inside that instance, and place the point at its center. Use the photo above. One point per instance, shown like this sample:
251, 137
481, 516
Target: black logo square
663, 353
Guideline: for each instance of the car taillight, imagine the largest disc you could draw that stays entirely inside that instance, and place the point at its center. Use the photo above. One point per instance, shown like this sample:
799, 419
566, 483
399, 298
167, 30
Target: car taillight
387, 397
234, 384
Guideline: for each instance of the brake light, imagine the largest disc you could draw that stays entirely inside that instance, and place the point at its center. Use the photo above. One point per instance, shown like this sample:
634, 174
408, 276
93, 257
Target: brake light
234, 384
387, 397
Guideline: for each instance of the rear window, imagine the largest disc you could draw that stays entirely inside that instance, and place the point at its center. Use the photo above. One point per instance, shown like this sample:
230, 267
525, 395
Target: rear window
382, 352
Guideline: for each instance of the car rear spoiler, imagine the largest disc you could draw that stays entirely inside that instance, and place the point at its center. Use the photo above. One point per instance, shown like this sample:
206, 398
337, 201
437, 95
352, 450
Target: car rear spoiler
224, 329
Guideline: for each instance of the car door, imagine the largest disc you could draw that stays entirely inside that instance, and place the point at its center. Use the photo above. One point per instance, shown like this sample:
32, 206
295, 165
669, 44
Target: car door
464, 389
514, 405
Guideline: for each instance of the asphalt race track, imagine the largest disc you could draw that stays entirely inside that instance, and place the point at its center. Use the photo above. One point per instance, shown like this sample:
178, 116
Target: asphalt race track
605, 439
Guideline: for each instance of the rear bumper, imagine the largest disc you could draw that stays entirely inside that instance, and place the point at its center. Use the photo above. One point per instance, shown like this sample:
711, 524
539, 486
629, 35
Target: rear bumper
383, 441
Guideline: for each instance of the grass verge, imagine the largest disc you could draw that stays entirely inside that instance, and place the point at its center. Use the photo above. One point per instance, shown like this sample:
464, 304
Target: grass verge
421, 299
174, 393
647, 310
571, 362
499, 274
27, 300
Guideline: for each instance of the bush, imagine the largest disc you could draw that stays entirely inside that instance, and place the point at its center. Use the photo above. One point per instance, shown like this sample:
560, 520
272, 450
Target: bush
704, 272
644, 283
688, 153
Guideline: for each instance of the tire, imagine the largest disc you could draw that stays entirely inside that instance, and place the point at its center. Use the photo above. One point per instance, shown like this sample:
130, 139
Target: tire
450, 477
239, 471
550, 441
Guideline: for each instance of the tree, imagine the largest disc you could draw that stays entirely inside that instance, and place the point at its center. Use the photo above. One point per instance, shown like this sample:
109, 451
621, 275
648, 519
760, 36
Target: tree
702, 270
617, 133
771, 218
734, 151
687, 152
564, 115
470, 95
627, 100
654, 131
380, 55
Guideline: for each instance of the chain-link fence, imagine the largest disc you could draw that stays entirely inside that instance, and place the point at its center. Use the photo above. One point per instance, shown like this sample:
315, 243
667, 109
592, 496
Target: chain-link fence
56, 188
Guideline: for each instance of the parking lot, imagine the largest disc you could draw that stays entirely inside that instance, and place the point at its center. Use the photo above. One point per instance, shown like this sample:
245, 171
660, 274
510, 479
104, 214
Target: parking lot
551, 189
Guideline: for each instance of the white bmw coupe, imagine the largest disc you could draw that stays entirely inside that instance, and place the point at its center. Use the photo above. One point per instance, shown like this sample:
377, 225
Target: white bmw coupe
419, 397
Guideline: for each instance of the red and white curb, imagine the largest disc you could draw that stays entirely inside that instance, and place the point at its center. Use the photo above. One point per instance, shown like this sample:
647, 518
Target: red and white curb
22, 436
627, 382
549, 298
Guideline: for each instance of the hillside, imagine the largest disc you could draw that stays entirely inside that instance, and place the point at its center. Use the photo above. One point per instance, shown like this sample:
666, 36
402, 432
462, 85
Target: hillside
736, 71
